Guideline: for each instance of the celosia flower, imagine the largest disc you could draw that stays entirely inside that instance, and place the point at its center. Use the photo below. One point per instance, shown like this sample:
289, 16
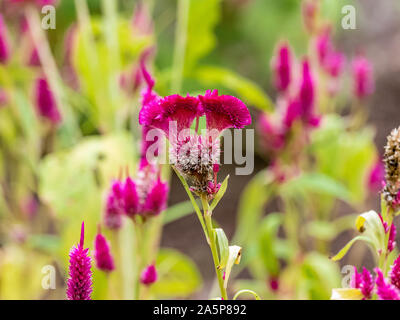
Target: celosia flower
149, 275
114, 206
376, 176
323, 46
394, 273
34, 60
392, 238
363, 81
79, 285
4, 45
391, 160
282, 66
102, 253
307, 96
192, 154
334, 63
384, 290
131, 199
273, 283
355, 281
45, 102
367, 284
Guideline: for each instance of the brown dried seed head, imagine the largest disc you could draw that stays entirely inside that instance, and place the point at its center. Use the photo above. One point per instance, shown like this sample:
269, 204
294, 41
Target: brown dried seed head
391, 160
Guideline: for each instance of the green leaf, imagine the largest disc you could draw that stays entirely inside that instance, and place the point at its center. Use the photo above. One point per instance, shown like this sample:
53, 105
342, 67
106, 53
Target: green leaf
223, 247
248, 91
220, 193
177, 211
347, 247
371, 226
203, 17
255, 295
178, 275
234, 258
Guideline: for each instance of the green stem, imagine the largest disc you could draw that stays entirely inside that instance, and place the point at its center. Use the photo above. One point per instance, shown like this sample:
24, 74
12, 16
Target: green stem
180, 45
384, 256
213, 245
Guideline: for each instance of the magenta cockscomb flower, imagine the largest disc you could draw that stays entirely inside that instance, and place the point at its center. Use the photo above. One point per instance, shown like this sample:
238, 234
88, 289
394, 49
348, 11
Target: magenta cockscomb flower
385, 290
79, 284
194, 154
363, 81
45, 103
131, 199
355, 281
149, 275
4, 44
376, 177
323, 46
114, 206
102, 253
282, 66
367, 284
156, 199
394, 273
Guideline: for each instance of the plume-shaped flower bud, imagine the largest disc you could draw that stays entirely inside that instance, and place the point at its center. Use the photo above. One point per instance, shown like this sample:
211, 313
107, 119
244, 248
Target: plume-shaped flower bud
45, 103
131, 199
156, 200
391, 161
79, 285
307, 96
367, 284
363, 81
282, 66
149, 275
384, 290
394, 274
102, 253
4, 45
114, 206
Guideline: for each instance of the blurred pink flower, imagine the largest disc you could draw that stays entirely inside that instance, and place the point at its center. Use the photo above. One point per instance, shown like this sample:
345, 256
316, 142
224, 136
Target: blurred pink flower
149, 275
45, 103
4, 44
384, 290
376, 176
102, 253
309, 12
282, 66
394, 273
363, 81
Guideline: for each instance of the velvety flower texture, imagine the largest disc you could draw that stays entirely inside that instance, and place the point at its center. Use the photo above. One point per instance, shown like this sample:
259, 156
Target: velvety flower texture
45, 102
4, 45
282, 66
384, 290
394, 274
79, 285
149, 275
102, 254
194, 154
363, 81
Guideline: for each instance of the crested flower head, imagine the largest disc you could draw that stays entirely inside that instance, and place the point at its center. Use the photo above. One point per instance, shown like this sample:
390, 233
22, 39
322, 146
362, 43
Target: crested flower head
79, 285
102, 253
149, 275
282, 66
391, 160
363, 81
4, 45
194, 154
394, 273
384, 290
45, 103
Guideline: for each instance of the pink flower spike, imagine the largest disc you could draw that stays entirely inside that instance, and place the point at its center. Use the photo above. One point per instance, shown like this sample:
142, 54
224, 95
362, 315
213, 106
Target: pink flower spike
323, 46
149, 275
392, 238
223, 112
307, 93
79, 284
45, 102
156, 200
160, 112
334, 63
367, 284
363, 81
102, 254
394, 273
356, 280
385, 291
131, 199
292, 113
282, 66
4, 45
376, 176
112, 213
